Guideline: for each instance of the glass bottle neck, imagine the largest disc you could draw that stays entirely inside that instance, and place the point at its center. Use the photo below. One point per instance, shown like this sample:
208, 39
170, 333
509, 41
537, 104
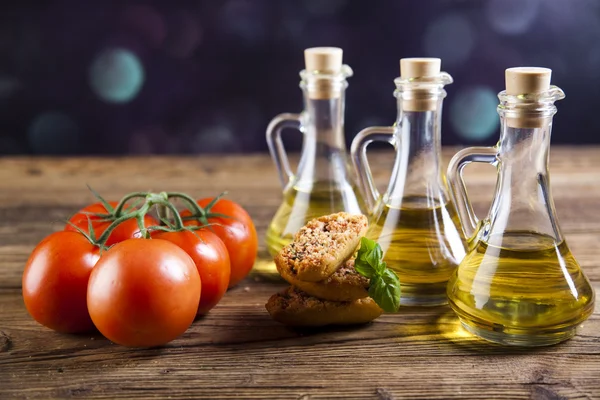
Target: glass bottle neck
523, 202
324, 157
526, 148
418, 172
324, 123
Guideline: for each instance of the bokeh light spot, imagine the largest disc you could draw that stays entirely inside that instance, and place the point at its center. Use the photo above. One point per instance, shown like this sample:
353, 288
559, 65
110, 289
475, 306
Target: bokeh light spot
184, 35
53, 133
292, 21
549, 59
451, 38
215, 139
473, 113
511, 17
152, 140
116, 75
245, 20
8, 86
145, 22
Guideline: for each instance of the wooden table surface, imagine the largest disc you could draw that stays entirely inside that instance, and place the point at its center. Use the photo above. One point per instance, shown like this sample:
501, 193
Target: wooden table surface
237, 351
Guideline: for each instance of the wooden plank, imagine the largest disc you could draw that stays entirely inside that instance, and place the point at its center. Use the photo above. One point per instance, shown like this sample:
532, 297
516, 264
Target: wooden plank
238, 351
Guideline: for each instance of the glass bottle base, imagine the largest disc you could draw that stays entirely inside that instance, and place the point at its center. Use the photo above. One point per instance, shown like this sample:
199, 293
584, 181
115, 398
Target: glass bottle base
522, 338
424, 295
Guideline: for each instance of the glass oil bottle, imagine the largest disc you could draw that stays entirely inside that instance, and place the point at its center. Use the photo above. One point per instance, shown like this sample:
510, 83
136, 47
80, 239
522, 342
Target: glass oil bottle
324, 182
519, 284
414, 221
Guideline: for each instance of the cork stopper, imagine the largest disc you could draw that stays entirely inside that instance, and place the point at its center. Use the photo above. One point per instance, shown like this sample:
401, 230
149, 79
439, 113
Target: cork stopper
527, 80
419, 68
326, 60
323, 63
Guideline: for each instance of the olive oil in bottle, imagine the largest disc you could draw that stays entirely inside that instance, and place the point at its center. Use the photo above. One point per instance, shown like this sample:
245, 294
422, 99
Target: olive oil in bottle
299, 207
422, 243
324, 182
414, 221
521, 286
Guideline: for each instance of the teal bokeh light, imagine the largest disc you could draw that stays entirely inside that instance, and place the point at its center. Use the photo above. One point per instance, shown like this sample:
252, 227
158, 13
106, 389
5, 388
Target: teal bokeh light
116, 75
53, 133
473, 113
450, 37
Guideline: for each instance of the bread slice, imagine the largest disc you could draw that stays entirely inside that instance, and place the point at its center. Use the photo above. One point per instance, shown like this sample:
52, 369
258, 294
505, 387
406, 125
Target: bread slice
321, 246
295, 308
345, 284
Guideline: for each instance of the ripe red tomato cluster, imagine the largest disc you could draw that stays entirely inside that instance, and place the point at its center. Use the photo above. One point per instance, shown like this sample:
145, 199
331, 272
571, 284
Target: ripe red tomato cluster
139, 292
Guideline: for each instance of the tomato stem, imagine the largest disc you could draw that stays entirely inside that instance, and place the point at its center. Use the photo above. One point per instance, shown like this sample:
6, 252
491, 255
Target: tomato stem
105, 235
192, 205
119, 208
164, 206
176, 217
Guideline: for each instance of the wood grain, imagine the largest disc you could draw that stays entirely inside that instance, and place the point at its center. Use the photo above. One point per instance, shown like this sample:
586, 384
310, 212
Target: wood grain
237, 351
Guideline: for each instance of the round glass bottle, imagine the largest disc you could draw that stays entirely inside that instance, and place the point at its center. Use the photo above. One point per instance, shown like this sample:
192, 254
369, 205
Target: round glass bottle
324, 182
414, 221
519, 284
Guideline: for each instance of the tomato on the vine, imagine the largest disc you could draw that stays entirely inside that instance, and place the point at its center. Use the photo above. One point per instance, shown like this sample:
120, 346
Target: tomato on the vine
237, 233
125, 230
211, 258
55, 281
143, 292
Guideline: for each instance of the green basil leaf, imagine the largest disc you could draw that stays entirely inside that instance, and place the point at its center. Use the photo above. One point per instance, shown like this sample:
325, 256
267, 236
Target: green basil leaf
366, 247
370, 252
364, 268
385, 290
380, 267
366, 259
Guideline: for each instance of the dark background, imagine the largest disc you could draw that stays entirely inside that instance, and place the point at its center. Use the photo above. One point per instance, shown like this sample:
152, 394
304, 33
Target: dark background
110, 77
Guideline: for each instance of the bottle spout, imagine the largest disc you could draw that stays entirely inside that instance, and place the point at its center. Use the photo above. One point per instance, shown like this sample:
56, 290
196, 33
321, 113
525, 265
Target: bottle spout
528, 101
323, 60
527, 80
324, 76
420, 67
420, 83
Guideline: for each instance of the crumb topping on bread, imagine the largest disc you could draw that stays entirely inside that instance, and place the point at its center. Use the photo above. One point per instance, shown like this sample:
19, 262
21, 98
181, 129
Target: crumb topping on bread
294, 298
347, 274
322, 239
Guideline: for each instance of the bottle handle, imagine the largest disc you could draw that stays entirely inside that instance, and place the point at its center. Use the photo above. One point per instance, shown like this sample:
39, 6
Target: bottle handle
276, 147
360, 161
458, 189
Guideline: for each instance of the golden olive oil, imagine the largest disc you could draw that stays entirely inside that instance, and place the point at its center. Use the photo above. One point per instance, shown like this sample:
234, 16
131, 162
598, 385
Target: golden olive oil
299, 207
521, 288
422, 242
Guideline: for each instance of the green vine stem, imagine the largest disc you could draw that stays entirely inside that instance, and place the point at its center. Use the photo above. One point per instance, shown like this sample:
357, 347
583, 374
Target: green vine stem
192, 205
119, 208
104, 237
164, 205
176, 217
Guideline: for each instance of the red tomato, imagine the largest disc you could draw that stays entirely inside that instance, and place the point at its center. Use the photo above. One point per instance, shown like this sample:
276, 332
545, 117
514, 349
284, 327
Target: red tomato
126, 230
143, 292
55, 282
238, 233
211, 258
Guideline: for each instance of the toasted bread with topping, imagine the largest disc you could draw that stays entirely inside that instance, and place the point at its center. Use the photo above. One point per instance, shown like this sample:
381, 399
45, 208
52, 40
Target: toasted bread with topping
323, 245
345, 284
295, 308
